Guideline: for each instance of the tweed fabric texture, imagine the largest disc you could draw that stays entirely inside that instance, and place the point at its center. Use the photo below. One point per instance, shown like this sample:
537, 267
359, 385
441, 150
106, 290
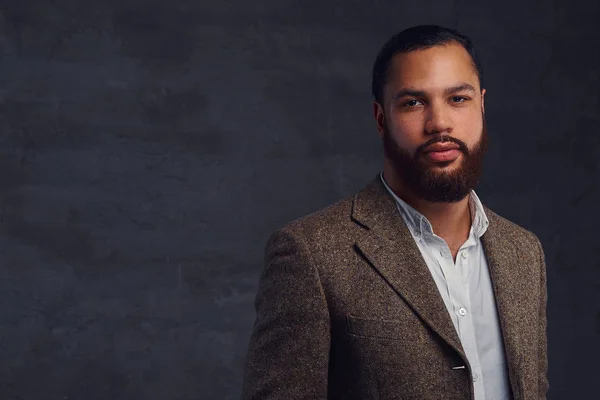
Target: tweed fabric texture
347, 309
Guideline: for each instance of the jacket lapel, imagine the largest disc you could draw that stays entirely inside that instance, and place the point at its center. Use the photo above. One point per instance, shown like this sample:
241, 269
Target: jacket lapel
390, 248
510, 290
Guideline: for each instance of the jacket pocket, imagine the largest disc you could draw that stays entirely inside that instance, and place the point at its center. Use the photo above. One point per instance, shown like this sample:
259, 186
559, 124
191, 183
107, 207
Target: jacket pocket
378, 328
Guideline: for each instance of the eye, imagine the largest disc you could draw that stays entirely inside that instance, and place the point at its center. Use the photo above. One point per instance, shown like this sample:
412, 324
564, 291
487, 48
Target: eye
410, 103
459, 99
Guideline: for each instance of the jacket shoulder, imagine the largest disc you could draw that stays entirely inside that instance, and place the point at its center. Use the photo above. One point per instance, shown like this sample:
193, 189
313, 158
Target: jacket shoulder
333, 217
512, 230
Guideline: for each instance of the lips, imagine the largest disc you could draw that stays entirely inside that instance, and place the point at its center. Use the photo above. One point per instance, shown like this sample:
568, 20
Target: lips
442, 147
442, 152
442, 156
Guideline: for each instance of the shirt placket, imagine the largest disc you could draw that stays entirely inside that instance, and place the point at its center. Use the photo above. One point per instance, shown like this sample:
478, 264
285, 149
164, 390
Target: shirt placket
456, 281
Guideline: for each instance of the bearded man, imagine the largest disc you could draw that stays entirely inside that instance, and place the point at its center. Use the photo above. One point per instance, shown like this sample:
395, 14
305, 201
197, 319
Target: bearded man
411, 288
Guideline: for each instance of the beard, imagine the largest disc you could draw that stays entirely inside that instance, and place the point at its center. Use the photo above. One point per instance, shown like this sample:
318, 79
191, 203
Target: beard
428, 181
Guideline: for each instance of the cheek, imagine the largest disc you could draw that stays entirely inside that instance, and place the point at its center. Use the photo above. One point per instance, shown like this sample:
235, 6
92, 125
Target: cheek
472, 129
407, 133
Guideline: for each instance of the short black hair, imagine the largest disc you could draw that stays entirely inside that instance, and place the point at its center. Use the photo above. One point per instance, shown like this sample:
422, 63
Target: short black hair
417, 38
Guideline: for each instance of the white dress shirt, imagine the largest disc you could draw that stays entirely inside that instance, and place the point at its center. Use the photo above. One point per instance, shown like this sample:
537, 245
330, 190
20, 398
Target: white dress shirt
466, 288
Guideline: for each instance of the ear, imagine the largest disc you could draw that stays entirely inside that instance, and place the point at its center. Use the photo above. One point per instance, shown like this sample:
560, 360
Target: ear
379, 115
483, 101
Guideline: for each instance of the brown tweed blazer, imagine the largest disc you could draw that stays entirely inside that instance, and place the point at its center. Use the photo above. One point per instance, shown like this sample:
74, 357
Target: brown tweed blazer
347, 309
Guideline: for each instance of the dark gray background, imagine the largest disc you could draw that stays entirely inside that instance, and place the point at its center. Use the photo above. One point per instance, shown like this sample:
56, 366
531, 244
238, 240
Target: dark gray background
148, 148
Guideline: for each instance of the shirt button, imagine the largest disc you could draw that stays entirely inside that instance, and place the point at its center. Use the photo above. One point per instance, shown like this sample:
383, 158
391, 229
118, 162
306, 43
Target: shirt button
462, 311
475, 377
464, 254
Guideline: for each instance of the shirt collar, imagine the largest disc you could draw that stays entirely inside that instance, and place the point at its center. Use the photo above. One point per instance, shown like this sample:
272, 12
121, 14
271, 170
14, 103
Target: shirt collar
418, 223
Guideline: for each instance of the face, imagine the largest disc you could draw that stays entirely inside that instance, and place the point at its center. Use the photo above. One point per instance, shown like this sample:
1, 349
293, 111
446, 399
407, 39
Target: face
432, 122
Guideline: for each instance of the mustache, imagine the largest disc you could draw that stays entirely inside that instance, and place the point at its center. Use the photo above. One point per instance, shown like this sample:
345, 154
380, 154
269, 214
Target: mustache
444, 139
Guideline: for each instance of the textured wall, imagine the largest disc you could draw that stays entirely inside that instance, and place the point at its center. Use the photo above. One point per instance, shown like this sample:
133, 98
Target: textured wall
148, 148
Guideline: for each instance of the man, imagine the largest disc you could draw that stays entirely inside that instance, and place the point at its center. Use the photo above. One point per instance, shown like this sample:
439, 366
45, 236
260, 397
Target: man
411, 288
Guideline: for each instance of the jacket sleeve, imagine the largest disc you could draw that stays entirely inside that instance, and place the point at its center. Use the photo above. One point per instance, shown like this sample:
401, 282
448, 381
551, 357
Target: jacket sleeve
543, 341
288, 352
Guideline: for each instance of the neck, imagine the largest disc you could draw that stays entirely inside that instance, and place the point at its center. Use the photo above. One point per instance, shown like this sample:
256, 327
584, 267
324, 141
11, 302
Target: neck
450, 221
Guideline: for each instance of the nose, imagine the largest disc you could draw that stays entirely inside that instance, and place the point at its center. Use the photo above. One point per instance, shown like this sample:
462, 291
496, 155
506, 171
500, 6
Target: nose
438, 120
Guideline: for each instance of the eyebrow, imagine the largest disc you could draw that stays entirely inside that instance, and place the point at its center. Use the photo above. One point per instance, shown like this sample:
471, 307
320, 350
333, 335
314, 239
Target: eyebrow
448, 91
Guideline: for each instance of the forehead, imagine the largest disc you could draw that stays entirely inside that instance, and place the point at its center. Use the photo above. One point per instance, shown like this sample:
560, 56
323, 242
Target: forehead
432, 69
